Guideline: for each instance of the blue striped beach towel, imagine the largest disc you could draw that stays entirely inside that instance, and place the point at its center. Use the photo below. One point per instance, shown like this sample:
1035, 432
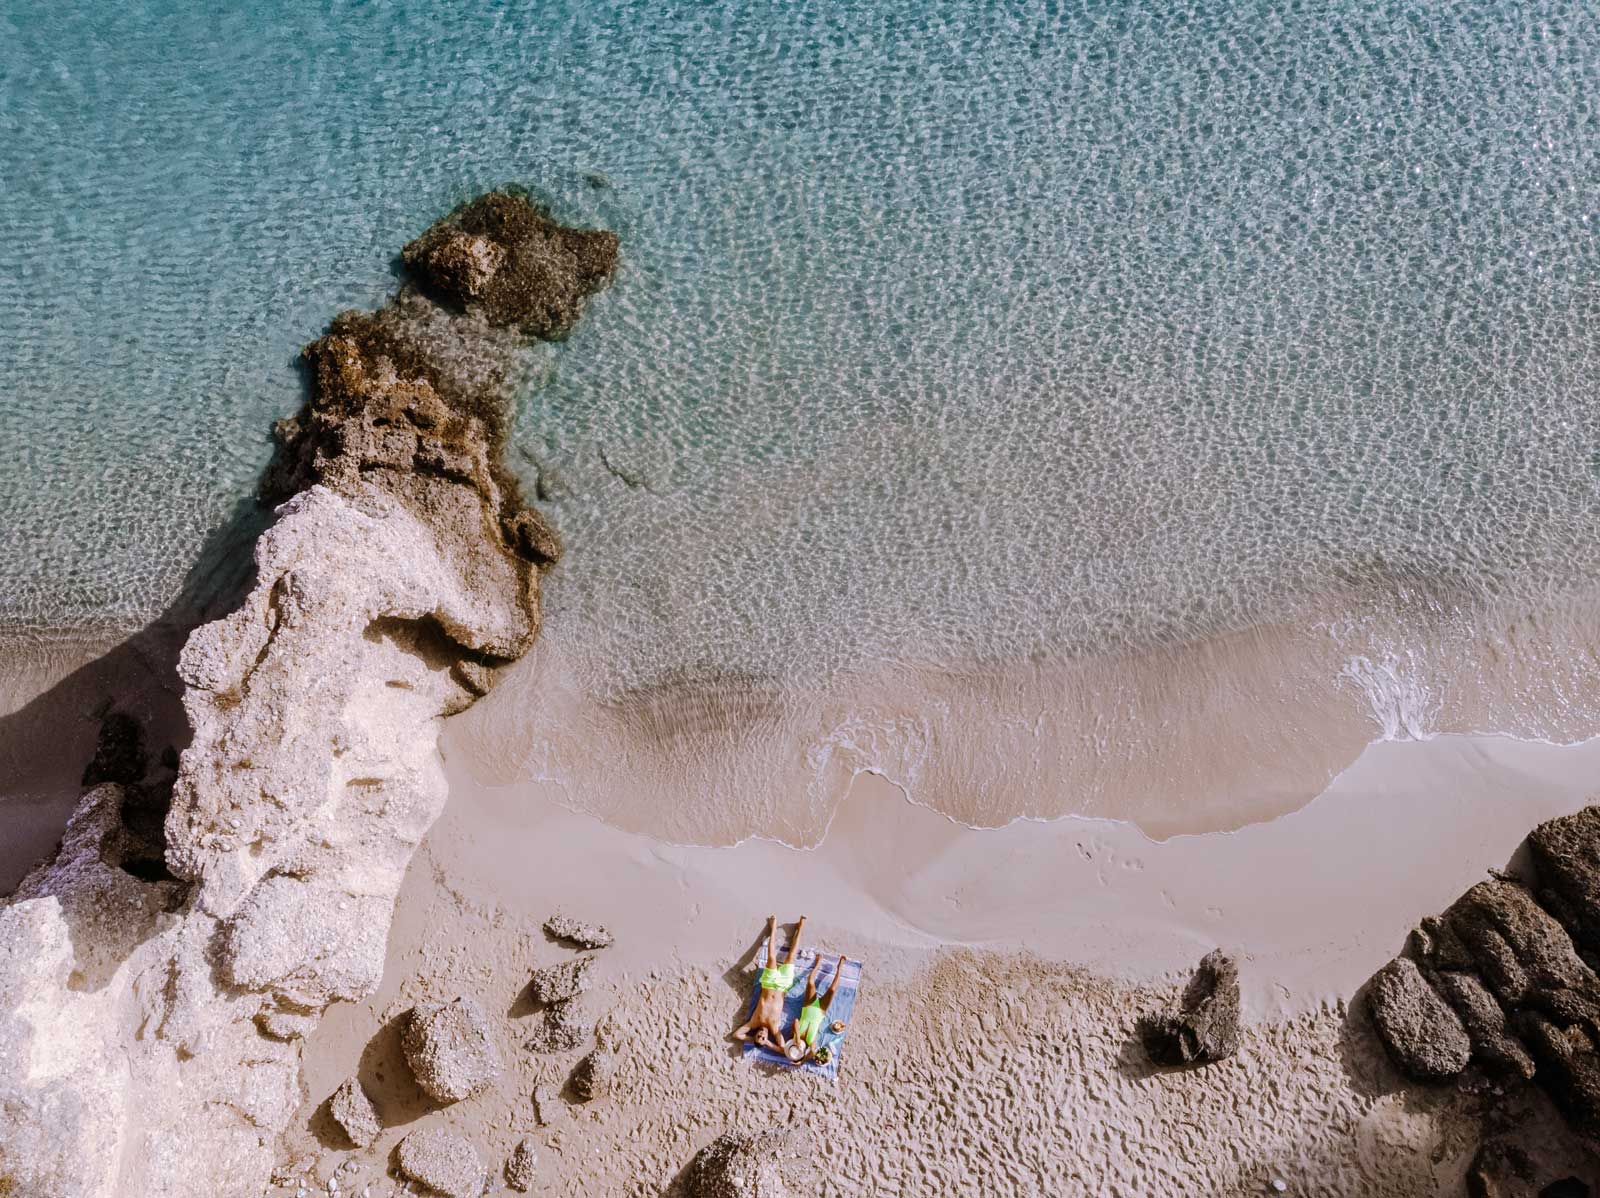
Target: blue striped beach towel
842, 1008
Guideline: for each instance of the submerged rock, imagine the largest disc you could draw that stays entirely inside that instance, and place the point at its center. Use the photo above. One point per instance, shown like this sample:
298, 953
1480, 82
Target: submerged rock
450, 1049
442, 1161
1206, 1024
504, 257
584, 935
521, 1166
1421, 1032
553, 983
353, 1111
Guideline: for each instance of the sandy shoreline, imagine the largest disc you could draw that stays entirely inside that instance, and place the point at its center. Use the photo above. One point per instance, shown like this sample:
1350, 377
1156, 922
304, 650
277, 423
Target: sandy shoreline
1086, 921
1314, 901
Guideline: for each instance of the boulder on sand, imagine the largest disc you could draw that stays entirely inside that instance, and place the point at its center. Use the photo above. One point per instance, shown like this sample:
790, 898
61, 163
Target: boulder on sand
584, 935
450, 1049
564, 1027
1422, 1033
353, 1111
750, 1165
1206, 1024
520, 1166
443, 1162
593, 1076
553, 983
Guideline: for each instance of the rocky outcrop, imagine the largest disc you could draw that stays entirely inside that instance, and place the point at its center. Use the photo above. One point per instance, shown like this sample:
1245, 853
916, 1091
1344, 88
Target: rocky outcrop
443, 1162
450, 1049
554, 983
750, 1165
1206, 1025
154, 976
574, 931
1503, 979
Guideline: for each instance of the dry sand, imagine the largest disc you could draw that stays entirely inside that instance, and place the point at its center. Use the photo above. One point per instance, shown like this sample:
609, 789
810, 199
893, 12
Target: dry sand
1036, 945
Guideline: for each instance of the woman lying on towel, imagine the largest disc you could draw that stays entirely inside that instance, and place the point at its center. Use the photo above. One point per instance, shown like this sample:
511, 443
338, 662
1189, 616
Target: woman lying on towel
808, 1024
765, 1025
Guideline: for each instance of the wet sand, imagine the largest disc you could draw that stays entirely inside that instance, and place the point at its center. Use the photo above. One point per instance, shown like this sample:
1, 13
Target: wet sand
1040, 942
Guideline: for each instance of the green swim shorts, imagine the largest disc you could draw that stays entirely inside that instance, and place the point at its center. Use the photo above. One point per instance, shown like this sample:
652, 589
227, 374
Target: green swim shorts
780, 978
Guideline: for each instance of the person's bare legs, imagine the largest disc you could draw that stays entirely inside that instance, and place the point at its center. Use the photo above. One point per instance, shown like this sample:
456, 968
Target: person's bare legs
838, 972
794, 945
772, 942
811, 983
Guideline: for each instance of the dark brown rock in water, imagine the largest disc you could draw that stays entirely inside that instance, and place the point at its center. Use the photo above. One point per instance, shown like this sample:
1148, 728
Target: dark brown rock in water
1567, 854
1206, 1025
750, 1165
1422, 1034
504, 257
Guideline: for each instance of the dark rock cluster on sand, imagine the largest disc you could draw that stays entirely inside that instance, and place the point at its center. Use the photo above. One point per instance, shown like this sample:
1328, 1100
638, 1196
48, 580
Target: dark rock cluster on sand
1504, 980
1206, 1025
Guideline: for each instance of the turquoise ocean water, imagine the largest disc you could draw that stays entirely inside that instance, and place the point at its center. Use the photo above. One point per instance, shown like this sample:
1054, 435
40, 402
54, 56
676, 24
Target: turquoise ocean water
948, 335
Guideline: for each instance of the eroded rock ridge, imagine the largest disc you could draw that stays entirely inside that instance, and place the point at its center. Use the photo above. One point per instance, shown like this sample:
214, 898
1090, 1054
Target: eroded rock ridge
1505, 979
150, 997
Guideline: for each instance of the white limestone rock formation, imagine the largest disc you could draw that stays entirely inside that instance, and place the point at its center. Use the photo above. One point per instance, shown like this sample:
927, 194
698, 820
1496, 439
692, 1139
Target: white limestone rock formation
147, 1022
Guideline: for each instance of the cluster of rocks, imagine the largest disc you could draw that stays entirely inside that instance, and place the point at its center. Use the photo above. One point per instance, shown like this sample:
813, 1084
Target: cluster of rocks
1205, 1027
451, 1052
1504, 981
565, 1024
222, 905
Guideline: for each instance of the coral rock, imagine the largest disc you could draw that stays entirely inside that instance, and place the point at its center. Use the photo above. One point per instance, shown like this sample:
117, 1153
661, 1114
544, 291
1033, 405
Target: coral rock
553, 983
584, 935
443, 1162
353, 1111
520, 1167
749, 1165
450, 1049
564, 1026
594, 1074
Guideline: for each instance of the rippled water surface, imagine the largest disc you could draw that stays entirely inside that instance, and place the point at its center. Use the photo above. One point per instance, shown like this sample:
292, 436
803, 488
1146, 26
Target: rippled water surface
947, 333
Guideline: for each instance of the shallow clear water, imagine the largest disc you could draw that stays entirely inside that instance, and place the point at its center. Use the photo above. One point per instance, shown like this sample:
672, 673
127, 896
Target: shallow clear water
946, 332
